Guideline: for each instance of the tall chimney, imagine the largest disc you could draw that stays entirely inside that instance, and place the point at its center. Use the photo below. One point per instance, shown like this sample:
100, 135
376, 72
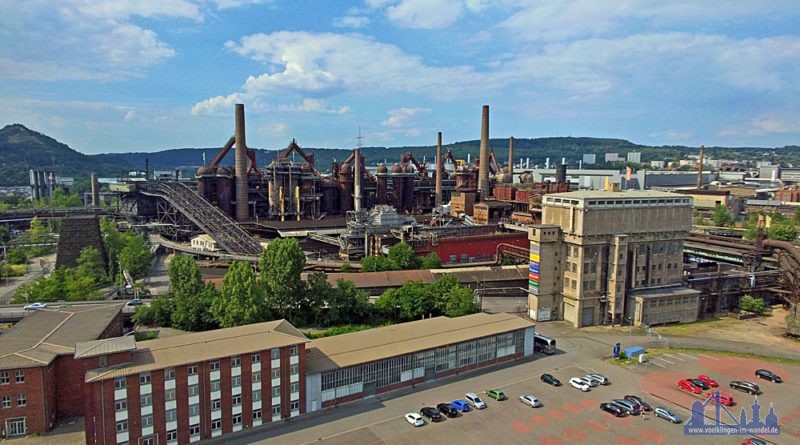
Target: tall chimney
357, 181
439, 168
483, 167
700, 172
241, 166
95, 191
511, 159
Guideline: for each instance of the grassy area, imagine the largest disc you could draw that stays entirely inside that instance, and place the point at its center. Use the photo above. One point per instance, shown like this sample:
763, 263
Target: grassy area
658, 351
17, 270
692, 329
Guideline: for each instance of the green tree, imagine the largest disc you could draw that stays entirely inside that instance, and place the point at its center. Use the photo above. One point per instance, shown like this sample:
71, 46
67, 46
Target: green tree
240, 301
461, 301
90, 263
37, 227
193, 298
722, 216
61, 199
347, 304
135, 256
439, 291
377, 263
320, 292
402, 255
431, 261
347, 268
411, 301
158, 313
281, 264
16, 256
784, 231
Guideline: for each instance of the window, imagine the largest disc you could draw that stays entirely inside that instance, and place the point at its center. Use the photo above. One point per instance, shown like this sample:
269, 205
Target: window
236, 361
215, 385
256, 414
293, 350
172, 435
194, 409
257, 395
119, 383
4, 378
22, 400
276, 410
169, 395
573, 284
147, 441
194, 390
216, 424
294, 387
147, 420
276, 391
20, 376
6, 401
236, 381
276, 354
169, 374
276, 373
216, 404
103, 361
257, 376
237, 419
191, 369
171, 415
120, 405
293, 369
144, 378
214, 365
294, 405
122, 426
255, 357
237, 399
194, 429
147, 399
574, 267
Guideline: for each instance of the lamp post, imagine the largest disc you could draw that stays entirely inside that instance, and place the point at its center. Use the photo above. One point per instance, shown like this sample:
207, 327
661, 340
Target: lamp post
630, 329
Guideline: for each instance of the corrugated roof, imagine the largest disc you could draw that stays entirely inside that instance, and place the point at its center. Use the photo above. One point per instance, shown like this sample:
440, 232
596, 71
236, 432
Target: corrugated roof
203, 346
396, 278
45, 334
354, 348
584, 194
105, 346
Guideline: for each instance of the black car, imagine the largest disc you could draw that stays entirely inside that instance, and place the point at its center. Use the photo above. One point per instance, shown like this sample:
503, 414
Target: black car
629, 407
703, 385
748, 387
613, 409
431, 413
447, 409
639, 402
547, 378
768, 375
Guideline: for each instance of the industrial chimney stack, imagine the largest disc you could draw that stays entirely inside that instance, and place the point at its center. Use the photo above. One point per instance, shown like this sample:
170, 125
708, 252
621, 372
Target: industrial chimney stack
439, 170
483, 167
95, 191
241, 166
511, 159
700, 172
357, 180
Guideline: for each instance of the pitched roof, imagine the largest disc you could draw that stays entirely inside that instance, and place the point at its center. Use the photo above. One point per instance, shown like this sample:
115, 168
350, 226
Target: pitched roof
203, 346
344, 350
105, 346
44, 334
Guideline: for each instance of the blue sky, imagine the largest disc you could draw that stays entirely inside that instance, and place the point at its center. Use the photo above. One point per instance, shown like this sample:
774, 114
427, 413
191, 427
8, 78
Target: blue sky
147, 75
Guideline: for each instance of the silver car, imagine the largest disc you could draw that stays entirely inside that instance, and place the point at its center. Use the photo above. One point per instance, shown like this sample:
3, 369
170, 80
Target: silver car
599, 378
592, 381
664, 413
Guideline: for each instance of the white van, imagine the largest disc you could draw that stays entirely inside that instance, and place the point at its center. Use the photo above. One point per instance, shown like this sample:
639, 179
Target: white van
474, 400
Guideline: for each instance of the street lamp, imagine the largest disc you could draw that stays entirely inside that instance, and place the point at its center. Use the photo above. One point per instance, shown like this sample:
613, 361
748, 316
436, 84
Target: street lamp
630, 329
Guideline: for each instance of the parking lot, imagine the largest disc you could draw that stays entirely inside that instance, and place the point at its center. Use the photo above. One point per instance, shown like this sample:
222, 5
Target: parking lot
567, 415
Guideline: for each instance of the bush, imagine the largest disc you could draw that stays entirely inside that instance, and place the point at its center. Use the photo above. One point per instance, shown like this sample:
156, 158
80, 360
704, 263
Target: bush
623, 355
755, 305
16, 256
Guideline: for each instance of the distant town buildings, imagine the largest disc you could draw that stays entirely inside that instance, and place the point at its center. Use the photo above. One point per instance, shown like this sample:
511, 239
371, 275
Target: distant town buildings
635, 157
612, 157
589, 158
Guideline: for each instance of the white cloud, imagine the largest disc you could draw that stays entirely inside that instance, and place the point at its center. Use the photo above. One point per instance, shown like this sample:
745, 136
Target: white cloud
130, 46
673, 134
425, 14
125, 9
351, 21
314, 106
402, 117
217, 104
273, 128
772, 123
228, 4
129, 116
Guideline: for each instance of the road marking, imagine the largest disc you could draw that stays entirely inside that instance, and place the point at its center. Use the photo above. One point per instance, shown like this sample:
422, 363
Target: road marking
665, 360
687, 356
674, 357
659, 364
708, 356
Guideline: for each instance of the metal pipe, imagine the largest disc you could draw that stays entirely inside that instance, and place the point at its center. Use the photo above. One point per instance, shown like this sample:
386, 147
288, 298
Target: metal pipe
242, 212
439, 170
483, 167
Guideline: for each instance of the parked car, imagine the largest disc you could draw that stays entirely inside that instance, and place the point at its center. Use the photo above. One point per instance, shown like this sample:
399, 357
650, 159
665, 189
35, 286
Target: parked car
711, 382
745, 386
496, 394
460, 405
431, 413
549, 379
600, 378
689, 386
447, 409
34, 306
613, 409
135, 302
577, 382
723, 398
592, 381
664, 413
755, 441
639, 402
629, 407
415, 419
768, 375
700, 384
530, 400
475, 401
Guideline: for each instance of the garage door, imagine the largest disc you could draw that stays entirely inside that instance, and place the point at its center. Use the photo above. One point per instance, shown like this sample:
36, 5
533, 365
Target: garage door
587, 316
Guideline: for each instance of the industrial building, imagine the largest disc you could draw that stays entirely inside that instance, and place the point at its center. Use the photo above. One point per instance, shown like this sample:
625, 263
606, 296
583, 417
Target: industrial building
602, 257
40, 376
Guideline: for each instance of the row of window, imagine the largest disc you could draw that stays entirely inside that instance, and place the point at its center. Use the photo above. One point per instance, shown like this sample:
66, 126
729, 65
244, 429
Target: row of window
22, 400
664, 302
145, 379
216, 424
5, 378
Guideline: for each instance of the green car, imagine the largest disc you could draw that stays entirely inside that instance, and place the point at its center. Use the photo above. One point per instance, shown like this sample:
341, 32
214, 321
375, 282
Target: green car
496, 394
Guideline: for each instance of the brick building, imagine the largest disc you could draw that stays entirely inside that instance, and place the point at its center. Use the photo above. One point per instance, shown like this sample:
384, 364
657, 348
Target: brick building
39, 376
194, 386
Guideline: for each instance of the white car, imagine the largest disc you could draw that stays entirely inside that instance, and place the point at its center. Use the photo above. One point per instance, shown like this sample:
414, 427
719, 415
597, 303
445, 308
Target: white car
474, 400
415, 419
34, 306
599, 378
530, 400
580, 383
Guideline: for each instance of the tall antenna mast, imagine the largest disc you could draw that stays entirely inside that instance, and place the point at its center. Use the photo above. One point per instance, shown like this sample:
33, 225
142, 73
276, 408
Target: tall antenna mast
359, 138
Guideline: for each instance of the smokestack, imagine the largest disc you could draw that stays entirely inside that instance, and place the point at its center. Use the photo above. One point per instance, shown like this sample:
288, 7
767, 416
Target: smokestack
439, 168
547, 163
700, 172
527, 162
95, 191
241, 166
483, 167
511, 159
357, 180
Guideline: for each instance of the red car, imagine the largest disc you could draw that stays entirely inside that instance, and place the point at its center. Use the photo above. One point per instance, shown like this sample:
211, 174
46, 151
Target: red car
724, 399
711, 382
689, 386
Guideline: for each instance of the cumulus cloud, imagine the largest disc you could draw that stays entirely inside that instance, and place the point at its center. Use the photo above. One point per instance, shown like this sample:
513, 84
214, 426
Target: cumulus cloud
425, 14
216, 104
401, 117
314, 106
351, 21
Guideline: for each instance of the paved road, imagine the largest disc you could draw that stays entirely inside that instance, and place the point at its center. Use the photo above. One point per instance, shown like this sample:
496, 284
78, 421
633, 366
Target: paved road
35, 271
158, 279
